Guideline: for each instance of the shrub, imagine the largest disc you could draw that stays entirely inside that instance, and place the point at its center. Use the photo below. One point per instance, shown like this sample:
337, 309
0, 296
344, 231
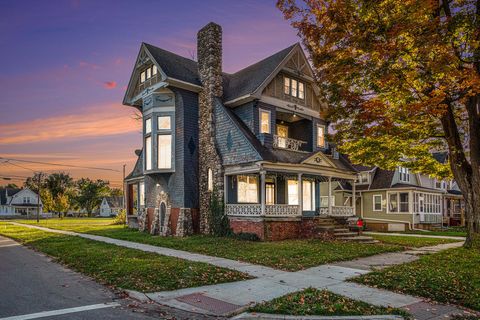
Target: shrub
121, 217
219, 224
246, 236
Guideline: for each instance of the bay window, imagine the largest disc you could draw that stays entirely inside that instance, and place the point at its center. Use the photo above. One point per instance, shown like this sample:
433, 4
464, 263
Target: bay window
247, 189
164, 160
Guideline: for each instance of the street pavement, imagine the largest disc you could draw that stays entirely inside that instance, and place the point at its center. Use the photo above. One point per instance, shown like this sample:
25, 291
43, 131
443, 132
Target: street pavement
34, 287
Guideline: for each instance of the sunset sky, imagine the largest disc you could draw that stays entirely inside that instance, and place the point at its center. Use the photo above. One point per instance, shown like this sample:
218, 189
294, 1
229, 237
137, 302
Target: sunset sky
65, 64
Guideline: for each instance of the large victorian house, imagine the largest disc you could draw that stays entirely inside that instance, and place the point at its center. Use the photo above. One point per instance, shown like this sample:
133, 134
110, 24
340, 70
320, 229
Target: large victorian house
254, 138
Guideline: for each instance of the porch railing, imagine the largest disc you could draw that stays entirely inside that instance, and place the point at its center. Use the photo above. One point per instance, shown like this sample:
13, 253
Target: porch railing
337, 211
287, 143
255, 210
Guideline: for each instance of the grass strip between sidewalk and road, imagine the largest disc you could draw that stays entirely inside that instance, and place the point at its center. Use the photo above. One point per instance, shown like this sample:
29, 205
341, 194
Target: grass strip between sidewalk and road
450, 276
412, 242
288, 255
322, 303
121, 267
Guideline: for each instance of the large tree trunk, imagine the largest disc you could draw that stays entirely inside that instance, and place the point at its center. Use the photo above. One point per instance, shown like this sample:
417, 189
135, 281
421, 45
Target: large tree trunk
465, 172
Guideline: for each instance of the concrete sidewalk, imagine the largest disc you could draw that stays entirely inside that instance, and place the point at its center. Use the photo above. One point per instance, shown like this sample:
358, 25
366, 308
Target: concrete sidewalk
231, 298
413, 235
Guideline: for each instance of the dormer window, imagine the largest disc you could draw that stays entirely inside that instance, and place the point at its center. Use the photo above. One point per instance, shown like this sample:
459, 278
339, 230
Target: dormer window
404, 174
363, 178
294, 88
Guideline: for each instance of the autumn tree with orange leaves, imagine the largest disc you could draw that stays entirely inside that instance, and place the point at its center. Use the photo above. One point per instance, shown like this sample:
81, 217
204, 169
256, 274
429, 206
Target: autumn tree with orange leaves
402, 79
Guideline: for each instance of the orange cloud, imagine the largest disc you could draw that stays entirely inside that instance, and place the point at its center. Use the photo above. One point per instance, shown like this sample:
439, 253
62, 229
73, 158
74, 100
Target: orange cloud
95, 121
110, 85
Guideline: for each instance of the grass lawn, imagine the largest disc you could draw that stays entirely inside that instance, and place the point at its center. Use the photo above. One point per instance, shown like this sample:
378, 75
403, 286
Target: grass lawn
121, 267
290, 255
322, 303
412, 242
451, 232
451, 276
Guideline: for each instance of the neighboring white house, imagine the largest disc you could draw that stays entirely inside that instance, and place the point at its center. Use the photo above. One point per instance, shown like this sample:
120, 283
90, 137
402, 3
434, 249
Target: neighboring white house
111, 206
19, 202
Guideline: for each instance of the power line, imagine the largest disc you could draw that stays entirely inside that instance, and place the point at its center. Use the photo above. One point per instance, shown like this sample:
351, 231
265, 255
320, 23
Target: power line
17, 165
60, 164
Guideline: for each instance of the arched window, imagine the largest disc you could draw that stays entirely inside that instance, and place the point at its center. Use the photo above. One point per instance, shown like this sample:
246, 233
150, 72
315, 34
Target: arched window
210, 180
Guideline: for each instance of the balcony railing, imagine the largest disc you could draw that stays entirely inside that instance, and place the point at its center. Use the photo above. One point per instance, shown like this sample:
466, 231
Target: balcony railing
255, 210
337, 211
287, 143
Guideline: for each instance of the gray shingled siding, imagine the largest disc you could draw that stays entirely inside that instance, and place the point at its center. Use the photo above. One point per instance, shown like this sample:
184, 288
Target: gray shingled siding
245, 113
190, 147
234, 147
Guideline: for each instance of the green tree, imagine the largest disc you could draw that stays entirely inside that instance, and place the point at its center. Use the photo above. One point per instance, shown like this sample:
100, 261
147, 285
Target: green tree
58, 183
47, 200
61, 204
90, 193
402, 79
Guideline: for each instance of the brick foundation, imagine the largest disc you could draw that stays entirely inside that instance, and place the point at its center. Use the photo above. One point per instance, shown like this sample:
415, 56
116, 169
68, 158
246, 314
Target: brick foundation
278, 229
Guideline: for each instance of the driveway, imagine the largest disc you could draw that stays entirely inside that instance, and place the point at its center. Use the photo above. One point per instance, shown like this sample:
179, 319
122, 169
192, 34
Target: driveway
34, 287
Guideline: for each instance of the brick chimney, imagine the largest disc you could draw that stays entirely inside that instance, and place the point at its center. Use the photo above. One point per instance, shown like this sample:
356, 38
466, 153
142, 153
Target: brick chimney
209, 53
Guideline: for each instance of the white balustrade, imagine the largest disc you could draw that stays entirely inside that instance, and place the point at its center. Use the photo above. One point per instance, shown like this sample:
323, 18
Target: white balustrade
287, 143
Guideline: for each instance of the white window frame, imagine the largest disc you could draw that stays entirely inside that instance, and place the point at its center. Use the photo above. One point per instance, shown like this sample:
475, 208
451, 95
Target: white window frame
210, 180
169, 122
398, 202
165, 161
246, 200
260, 113
364, 174
404, 174
318, 135
143, 77
294, 192
308, 203
288, 87
148, 125
374, 202
148, 152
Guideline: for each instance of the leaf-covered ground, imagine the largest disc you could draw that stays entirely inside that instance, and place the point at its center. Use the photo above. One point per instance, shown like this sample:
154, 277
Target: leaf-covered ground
323, 303
412, 242
290, 255
451, 276
121, 267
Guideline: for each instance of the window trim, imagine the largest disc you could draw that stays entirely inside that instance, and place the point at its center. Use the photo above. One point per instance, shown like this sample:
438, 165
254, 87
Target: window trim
403, 172
260, 112
398, 202
290, 86
248, 178
381, 202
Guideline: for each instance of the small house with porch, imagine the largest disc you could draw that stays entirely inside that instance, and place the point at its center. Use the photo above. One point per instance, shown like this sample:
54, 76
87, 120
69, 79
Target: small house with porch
15, 201
256, 139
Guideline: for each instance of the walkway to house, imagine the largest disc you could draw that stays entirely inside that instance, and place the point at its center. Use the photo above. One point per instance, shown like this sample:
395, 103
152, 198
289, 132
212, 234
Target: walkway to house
232, 298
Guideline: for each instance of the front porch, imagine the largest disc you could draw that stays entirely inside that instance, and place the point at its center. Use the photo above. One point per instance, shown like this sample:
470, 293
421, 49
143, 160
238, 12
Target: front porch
279, 205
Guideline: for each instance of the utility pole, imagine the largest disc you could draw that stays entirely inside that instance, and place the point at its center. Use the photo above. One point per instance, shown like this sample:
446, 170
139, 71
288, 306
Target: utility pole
123, 187
38, 196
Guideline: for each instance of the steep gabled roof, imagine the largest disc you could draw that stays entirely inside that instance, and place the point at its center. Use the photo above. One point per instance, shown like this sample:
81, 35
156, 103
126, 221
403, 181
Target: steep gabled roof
249, 79
382, 179
137, 171
175, 66
115, 202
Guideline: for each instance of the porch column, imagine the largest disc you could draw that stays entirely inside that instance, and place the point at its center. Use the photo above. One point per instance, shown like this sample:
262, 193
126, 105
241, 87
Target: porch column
329, 196
354, 199
300, 195
262, 192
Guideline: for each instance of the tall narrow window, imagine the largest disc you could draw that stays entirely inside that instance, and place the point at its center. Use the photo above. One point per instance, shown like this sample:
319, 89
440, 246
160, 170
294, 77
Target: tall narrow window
393, 203
247, 189
404, 202
148, 153
320, 136
294, 88
154, 70
148, 125
308, 194
164, 151
210, 180
301, 90
286, 86
270, 193
293, 192
142, 77
141, 193
264, 121
149, 73
377, 202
